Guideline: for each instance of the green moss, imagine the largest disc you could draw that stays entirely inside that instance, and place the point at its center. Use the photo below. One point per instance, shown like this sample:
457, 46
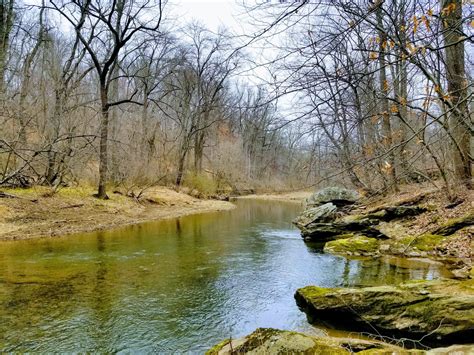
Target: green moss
310, 292
455, 224
425, 242
218, 347
357, 245
274, 341
257, 338
79, 191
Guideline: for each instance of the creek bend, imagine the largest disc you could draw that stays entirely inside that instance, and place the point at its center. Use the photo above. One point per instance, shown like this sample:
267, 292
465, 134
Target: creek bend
174, 285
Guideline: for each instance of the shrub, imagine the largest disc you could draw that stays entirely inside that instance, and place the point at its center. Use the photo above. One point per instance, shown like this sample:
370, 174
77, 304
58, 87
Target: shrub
204, 184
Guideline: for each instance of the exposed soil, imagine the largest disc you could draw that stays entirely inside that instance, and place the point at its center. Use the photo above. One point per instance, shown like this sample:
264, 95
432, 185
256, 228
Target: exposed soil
37, 212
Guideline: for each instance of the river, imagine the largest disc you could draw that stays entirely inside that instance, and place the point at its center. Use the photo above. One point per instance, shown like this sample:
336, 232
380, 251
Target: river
172, 286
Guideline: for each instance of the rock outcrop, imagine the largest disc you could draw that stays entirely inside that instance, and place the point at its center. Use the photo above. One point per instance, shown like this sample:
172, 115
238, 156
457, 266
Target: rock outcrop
325, 217
456, 224
437, 312
323, 213
322, 232
337, 195
274, 341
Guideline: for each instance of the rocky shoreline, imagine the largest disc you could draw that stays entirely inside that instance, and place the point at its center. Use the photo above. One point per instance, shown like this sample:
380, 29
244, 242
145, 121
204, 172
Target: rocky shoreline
418, 315
343, 228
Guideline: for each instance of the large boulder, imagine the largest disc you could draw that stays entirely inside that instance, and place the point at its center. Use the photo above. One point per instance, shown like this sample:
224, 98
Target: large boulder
337, 195
431, 312
274, 341
324, 213
322, 232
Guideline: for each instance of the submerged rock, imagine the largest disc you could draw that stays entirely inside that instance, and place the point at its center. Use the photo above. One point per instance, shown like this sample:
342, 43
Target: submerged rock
432, 312
274, 341
323, 213
353, 246
337, 195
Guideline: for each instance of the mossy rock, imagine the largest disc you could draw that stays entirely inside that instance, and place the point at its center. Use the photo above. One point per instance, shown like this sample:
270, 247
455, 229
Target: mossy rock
357, 245
453, 225
329, 231
274, 341
425, 242
440, 312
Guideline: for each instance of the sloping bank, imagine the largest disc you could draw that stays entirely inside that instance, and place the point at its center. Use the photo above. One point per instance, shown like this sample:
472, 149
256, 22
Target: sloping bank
37, 212
413, 226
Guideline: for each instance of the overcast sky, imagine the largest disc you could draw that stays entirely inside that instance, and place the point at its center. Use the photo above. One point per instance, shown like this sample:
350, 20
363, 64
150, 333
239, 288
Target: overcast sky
213, 13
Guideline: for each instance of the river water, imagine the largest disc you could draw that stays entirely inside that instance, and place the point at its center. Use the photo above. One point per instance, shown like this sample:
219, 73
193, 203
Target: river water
172, 286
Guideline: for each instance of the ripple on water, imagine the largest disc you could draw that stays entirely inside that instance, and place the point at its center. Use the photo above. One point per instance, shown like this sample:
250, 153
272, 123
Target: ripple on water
171, 286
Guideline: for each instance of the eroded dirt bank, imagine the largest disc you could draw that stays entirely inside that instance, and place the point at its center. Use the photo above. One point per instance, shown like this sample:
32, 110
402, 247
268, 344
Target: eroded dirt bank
36, 212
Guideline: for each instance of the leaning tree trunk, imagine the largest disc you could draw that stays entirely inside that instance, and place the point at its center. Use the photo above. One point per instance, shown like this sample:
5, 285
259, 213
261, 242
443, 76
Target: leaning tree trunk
460, 120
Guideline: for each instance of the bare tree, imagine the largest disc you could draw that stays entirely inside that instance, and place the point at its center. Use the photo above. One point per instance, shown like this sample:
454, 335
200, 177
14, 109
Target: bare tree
100, 24
457, 89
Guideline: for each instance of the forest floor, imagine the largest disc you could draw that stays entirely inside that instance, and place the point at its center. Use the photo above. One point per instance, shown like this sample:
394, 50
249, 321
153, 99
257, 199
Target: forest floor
37, 212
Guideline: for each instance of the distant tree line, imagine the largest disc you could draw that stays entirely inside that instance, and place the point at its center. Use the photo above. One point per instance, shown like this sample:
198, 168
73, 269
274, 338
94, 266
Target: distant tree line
385, 85
369, 93
106, 91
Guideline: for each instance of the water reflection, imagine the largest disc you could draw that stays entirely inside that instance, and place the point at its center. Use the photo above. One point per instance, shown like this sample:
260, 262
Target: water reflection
175, 285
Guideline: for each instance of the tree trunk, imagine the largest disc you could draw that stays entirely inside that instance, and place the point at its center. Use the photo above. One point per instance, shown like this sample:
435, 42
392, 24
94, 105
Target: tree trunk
6, 23
384, 88
457, 90
198, 151
179, 176
104, 132
51, 172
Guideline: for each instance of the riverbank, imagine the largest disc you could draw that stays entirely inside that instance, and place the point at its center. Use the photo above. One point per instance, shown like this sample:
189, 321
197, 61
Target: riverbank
420, 223
415, 224
38, 212
295, 196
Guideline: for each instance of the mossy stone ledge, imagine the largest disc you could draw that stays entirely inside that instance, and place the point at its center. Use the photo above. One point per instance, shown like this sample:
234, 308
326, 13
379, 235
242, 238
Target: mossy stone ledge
274, 341
439, 312
353, 246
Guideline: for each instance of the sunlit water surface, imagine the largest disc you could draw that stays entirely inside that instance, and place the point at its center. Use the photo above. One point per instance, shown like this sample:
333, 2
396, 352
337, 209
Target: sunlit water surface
176, 285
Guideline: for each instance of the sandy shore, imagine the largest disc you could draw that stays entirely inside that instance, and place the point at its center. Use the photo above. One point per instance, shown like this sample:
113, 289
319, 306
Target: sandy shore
34, 213
297, 196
